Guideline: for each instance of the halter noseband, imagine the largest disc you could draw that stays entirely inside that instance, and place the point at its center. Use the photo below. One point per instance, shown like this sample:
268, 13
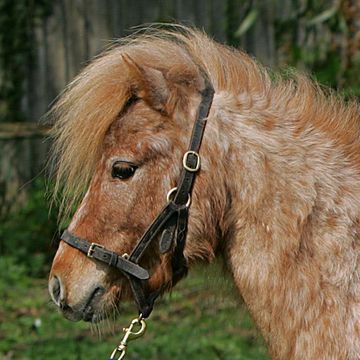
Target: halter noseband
172, 220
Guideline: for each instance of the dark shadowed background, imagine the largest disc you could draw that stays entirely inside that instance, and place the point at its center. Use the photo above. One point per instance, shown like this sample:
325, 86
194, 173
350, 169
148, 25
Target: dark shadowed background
43, 45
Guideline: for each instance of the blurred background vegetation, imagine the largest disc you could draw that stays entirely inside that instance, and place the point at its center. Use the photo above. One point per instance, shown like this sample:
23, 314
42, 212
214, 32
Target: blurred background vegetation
43, 44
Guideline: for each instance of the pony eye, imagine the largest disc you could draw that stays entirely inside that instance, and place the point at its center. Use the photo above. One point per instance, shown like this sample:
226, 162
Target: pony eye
123, 170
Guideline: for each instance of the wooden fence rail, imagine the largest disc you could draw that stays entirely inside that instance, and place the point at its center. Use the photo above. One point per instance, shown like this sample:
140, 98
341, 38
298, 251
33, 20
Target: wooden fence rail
27, 130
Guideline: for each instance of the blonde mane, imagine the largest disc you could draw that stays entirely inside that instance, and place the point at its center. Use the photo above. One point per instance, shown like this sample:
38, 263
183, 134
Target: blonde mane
90, 104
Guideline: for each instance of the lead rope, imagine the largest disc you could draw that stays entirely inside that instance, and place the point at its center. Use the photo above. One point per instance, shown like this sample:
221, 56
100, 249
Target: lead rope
130, 335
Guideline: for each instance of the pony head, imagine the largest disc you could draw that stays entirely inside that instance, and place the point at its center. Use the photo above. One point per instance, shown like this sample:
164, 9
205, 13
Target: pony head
121, 130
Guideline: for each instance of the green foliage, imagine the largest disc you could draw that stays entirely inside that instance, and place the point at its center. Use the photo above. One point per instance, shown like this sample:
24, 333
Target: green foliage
194, 322
314, 38
17, 20
27, 234
12, 273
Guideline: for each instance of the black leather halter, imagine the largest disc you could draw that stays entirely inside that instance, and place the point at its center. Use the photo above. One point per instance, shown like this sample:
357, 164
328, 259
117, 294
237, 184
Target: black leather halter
172, 221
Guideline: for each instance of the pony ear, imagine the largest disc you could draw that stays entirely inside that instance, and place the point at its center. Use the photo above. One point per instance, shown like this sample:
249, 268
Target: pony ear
149, 84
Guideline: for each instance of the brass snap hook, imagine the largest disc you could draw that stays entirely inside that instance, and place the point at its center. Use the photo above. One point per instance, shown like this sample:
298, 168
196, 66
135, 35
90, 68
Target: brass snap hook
130, 334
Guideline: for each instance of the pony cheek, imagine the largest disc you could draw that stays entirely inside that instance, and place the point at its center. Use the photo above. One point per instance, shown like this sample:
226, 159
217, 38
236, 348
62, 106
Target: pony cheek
118, 293
161, 277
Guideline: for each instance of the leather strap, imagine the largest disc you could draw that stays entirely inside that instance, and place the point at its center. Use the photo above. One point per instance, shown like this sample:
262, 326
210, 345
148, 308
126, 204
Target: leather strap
178, 261
145, 302
109, 257
187, 177
180, 205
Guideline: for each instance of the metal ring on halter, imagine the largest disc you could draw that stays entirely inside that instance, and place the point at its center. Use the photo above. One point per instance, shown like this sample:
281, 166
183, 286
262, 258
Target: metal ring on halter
168, 196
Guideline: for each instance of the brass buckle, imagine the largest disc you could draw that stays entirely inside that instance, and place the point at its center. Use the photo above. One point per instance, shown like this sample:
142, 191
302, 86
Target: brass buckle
185, 159
92, 249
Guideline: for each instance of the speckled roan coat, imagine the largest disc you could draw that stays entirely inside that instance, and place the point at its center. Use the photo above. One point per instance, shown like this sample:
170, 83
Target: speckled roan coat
278, 194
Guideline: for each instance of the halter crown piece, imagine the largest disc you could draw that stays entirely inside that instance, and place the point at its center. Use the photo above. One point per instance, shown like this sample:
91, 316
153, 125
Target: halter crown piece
172, 221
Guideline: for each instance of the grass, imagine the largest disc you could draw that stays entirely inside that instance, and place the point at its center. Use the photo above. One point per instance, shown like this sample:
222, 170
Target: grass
200, 320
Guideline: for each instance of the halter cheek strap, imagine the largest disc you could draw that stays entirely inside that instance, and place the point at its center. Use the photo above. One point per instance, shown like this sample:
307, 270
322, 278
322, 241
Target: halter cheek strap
171, 222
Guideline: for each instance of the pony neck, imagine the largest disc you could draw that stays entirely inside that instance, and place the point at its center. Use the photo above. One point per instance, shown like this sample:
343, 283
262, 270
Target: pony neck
293, 249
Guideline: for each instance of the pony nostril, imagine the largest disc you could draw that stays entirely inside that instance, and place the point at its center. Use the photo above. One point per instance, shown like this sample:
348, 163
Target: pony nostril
56, 291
